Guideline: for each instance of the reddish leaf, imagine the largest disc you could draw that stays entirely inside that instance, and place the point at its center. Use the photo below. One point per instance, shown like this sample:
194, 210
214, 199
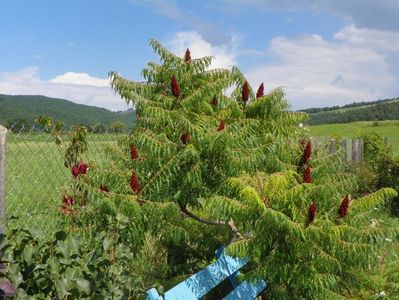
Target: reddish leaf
185, 138
221, 126
214, 101
104, 188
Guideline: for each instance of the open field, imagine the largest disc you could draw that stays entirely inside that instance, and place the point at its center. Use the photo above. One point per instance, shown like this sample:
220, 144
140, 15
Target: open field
36, 177
388, 129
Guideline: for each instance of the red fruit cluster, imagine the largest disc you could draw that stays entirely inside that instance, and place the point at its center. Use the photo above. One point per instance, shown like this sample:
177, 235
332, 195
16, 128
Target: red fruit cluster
134, 184
221, 126
81, 168
187, 56
307, 177
75, 171
343, 208
104, 188
175, 87
68, 200
214, 101
185, 138
312, 212
133, 153
245, 92
307, 152
260, 92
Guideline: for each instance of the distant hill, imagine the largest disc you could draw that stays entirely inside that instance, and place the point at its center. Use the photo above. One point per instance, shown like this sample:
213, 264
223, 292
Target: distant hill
24, 109
387, 109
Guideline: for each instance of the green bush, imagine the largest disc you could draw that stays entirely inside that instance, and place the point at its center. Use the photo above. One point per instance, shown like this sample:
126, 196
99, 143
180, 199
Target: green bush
73, 264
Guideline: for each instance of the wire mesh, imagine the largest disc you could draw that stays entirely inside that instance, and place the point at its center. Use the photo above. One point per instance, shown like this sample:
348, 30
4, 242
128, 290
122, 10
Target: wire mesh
36, 175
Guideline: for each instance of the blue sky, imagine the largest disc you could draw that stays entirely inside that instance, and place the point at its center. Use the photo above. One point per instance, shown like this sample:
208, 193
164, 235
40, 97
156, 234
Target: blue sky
322, 52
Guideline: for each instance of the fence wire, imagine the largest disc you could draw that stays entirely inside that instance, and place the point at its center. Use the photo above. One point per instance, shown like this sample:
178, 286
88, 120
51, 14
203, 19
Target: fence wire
36, 175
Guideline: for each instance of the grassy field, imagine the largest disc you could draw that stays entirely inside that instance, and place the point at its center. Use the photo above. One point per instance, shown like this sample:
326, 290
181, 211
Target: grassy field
36, 177
388, 129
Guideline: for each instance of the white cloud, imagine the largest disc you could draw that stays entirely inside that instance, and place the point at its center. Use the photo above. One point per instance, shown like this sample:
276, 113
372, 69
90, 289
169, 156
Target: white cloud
225, 55
316, 72
80, 79
77, 87
376, 39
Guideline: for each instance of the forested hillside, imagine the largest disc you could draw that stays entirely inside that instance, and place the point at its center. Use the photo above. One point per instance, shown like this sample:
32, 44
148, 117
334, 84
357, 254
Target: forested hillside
387, 109
22, 111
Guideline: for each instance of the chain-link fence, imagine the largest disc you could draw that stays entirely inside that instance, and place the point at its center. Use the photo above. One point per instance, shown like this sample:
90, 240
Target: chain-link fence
35, 175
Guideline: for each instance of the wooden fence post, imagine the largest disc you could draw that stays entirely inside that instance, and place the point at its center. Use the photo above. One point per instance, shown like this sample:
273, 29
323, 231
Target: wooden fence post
357, 150
332, 146
344, 144
3, 134
361, 152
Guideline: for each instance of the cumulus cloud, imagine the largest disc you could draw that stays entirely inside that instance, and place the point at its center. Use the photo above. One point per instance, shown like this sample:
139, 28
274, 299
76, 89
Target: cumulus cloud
77, 87
80, 79
225, 55
316, 72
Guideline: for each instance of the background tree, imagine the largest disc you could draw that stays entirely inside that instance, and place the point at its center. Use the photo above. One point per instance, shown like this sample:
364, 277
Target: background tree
117, 126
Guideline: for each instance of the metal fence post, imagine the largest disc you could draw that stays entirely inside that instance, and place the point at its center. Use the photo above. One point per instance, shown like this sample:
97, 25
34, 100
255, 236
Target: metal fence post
3, 134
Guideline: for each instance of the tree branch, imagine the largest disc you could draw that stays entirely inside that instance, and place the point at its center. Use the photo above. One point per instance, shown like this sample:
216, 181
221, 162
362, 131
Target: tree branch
229, 223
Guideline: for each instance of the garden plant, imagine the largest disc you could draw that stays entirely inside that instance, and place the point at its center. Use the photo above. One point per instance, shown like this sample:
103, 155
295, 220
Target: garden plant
205, 168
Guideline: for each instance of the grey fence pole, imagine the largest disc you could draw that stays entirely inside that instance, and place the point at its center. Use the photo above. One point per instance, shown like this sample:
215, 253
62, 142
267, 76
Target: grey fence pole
361, 152
332, 146
344, 144
3, 134
357, 150
354, 150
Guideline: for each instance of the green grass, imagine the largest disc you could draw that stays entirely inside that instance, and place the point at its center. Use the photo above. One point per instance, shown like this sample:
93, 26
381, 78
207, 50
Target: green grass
388, 129
36, 177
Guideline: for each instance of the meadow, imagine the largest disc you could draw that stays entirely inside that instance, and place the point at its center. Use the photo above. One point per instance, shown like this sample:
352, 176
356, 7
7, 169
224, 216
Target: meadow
385, 129
36, 177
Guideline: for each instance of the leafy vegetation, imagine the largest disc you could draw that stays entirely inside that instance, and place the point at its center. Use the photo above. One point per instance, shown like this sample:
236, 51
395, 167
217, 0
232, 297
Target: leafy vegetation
73, 265
364, 111
22, 111
202, 170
